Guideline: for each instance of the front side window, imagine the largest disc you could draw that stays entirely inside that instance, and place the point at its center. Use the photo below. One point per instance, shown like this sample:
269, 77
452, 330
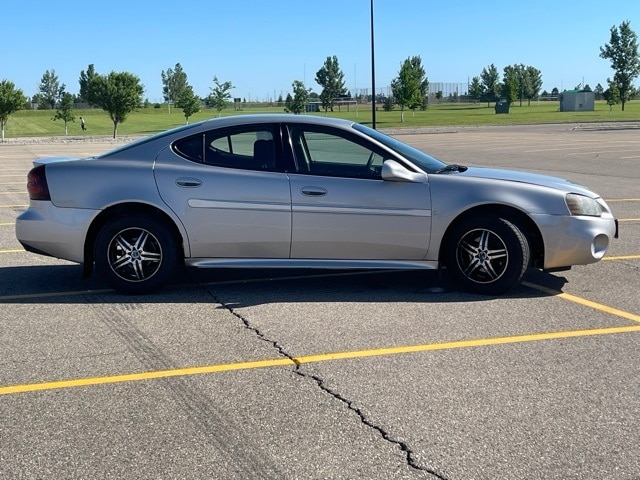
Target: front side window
421, 159
247, 148
321, 151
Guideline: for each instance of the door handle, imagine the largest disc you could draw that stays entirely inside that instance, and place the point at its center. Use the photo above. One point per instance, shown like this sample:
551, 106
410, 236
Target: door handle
188, 182
313, 191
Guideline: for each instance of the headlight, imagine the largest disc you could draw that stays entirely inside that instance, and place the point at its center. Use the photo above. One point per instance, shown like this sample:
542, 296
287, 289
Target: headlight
581, 205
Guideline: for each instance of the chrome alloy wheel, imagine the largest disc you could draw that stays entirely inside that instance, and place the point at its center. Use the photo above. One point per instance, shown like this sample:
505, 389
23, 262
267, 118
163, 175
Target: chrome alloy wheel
482, 256
134, 254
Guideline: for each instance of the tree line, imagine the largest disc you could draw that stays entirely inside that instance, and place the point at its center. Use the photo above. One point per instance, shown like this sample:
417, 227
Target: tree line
120, 93
522, 82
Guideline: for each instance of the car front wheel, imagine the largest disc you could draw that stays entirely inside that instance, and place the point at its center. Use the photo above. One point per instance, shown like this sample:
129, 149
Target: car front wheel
135, 254
488, 255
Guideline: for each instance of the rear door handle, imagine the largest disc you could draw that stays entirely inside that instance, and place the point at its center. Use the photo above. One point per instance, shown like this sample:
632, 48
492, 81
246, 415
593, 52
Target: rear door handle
313, 191
188, 182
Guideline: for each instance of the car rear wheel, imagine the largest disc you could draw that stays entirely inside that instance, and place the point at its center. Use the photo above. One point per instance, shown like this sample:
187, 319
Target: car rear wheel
135, 254
488, 255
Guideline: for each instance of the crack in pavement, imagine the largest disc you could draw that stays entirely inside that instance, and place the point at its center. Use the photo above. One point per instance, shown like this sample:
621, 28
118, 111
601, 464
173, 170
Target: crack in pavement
411, 462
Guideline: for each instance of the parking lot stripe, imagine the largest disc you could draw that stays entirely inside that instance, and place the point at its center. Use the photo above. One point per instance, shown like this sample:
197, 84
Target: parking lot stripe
585, 302
622, 257
13, 251
481, 342
133, 377
295, 361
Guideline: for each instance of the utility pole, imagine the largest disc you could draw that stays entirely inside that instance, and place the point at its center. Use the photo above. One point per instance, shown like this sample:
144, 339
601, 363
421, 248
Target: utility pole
373, 76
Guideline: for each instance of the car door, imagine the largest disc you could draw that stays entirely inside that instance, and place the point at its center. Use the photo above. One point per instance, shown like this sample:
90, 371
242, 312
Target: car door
229, 190
343, 209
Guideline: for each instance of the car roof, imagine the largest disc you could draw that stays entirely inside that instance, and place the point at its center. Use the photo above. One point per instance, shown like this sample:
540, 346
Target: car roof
274, 118
171, 135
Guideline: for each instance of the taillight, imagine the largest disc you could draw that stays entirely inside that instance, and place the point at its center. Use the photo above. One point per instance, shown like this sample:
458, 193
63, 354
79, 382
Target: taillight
37, 184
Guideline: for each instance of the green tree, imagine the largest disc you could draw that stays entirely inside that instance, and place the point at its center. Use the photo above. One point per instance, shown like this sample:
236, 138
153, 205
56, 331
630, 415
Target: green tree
520, 74
491, 83
298, 103
410, 86
118, 94
611, 95
622, 51
476, 89
174, 84
510, 84
220, 95
11, 100
533, 83
50, 90
84, 81
599, 91
189, 102
331, 79
65, 110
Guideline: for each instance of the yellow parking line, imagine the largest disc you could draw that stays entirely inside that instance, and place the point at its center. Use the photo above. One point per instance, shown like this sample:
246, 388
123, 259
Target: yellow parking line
7, 224
628, 220
279, 362
610, 200
623, 257
349, 354
585, 302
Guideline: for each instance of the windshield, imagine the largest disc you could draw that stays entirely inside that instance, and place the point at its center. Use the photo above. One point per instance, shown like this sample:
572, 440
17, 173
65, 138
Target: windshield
420, 159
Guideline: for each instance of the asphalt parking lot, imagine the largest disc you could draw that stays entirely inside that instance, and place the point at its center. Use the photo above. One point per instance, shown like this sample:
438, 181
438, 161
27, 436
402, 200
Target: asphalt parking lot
304, 375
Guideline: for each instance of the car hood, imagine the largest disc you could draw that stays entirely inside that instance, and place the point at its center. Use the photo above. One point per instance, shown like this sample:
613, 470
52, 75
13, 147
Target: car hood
529, 178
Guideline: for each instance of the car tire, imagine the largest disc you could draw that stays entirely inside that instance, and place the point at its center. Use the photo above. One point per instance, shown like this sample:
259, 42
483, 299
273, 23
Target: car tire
487, 255
135, 255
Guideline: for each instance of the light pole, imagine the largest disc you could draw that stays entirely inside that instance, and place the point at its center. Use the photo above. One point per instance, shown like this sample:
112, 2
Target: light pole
373, 76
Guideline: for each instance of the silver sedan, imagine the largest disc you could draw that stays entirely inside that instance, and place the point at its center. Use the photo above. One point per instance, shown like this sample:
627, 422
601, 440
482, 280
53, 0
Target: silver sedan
281, 191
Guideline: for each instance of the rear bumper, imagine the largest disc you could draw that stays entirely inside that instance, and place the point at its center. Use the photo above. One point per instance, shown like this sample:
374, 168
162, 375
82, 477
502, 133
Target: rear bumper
53, 231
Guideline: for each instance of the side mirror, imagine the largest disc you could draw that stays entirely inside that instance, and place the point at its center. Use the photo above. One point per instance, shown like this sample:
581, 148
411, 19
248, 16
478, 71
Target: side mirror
394, 172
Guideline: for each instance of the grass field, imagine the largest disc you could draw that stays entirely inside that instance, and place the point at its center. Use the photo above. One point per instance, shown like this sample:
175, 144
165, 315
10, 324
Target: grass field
34, 123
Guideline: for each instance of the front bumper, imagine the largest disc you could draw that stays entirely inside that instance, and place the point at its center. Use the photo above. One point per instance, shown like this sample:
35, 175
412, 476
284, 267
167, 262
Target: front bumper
575, 240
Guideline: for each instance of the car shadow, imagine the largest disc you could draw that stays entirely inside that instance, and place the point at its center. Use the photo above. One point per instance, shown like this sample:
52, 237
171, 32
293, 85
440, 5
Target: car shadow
246, 287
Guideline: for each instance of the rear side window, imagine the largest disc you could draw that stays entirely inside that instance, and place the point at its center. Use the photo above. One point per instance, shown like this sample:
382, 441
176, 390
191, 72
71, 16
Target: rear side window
191, 148
253, 147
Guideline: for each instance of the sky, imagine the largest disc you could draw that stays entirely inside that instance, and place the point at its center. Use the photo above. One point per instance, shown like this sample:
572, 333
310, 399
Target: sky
261, 46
